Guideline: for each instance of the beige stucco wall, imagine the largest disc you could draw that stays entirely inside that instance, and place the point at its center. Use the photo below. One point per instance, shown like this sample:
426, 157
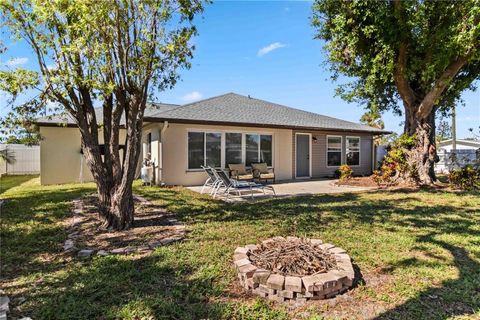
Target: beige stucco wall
175, 153
60, 157
319, 153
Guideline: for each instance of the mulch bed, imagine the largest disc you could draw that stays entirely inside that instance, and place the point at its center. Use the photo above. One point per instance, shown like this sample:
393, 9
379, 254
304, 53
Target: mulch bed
358, 182
369, 182
292, 258
153, 226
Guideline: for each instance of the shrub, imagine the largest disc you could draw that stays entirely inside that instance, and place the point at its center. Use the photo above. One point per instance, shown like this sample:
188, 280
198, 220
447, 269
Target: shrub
344, 172
466, 178
395, 162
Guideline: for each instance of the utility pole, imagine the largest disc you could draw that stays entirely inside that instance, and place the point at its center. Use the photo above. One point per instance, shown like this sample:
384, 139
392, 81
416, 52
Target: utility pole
454, 130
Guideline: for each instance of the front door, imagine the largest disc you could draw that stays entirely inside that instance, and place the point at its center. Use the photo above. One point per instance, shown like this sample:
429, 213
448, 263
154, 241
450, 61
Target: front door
303, 155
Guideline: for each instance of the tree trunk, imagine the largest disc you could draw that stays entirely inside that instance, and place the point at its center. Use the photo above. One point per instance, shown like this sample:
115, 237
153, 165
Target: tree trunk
423, 155
116, 207
113, 178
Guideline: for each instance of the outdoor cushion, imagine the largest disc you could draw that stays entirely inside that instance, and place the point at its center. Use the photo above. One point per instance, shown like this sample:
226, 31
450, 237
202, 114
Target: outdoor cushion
244, 177
239, 168
261, 167
267, 176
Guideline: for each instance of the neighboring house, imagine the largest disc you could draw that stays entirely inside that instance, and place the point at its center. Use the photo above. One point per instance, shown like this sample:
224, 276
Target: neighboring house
466, 152
230, 128
460, 145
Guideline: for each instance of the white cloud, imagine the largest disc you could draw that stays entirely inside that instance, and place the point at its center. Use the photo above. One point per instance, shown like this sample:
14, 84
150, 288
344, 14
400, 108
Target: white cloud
192, 96
16, 62
270, 48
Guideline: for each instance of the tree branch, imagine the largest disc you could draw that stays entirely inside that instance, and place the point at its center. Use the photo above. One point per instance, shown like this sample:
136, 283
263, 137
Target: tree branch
403, 86
426, 106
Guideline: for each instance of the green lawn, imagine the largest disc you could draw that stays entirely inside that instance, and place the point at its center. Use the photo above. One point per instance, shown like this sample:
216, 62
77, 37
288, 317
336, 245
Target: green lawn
417, 255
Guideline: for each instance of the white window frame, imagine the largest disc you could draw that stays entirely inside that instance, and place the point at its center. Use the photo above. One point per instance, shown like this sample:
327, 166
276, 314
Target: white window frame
244, 146
359, 150
327, 151
223, 145
222, 151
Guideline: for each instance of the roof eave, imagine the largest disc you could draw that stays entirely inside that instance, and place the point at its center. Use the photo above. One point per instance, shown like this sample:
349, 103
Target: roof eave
254, 125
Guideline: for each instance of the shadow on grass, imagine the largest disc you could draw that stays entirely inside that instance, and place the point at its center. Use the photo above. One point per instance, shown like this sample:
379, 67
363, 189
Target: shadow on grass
176, 282
159, 286
32, 230
452, 298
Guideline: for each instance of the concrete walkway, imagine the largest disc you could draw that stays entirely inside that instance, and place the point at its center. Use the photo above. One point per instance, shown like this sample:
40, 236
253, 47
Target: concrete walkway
294, 188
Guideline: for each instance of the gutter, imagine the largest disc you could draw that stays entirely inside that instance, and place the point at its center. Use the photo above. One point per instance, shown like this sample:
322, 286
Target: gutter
255, 125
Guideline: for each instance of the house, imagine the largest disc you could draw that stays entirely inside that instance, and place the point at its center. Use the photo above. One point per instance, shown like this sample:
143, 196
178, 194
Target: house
447, 145
465, 152
230, 128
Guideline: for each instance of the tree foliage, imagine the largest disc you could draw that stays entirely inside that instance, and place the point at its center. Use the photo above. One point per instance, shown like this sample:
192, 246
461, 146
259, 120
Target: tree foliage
7, 156
413, 57
444, 130
113, 53
367, 41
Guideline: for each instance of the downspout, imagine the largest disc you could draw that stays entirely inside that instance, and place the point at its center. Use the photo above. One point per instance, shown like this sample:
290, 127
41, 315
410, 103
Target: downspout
160, 161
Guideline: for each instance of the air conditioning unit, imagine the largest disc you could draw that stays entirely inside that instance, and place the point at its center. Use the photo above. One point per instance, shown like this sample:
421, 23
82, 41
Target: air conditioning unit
147, 175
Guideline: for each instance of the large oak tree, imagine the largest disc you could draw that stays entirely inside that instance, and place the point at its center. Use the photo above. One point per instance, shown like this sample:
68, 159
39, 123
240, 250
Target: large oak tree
422, 54
115, 53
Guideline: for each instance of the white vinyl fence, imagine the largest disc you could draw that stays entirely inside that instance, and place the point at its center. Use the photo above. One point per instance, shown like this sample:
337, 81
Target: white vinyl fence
27, 159
455, 159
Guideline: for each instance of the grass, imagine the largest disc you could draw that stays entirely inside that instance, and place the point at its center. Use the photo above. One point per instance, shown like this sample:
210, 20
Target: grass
417, 255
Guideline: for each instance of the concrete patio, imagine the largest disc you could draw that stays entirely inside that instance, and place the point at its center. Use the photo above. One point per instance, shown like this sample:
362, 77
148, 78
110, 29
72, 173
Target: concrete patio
290, 189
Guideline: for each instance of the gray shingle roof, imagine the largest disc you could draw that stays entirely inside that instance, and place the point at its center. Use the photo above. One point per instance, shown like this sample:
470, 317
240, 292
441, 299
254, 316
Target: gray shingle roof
67, 119
233, 108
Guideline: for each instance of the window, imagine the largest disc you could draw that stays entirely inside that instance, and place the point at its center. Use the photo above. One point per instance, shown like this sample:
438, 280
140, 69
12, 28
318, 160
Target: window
252, 146
233, 148
334, 151
353, 151
213, 149
258, 149
266, 149
204, 149
218, 150
196, 150
149, 143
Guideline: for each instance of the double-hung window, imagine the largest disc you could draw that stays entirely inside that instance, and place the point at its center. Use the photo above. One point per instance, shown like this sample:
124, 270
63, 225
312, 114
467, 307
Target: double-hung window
353, 151
334, 151
204, 149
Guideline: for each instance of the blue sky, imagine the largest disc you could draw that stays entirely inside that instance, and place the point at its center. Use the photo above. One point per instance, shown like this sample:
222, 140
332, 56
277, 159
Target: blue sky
266, 50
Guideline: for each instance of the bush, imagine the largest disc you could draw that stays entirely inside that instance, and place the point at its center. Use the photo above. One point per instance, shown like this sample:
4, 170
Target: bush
395, 162
466, 178
344, 172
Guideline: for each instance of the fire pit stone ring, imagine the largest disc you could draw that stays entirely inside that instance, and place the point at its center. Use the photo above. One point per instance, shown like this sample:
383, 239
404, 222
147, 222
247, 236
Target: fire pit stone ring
257, 275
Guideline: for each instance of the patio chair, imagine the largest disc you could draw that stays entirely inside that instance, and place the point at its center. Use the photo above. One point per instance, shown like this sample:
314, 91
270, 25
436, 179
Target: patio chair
239, 172
261, 171
238, 186
212, 180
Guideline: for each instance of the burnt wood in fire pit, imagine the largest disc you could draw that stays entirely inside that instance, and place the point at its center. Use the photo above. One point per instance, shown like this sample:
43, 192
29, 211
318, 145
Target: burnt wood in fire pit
294, 269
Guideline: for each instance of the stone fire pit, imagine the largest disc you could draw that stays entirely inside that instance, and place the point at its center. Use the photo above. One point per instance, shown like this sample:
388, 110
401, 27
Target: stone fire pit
294, 269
